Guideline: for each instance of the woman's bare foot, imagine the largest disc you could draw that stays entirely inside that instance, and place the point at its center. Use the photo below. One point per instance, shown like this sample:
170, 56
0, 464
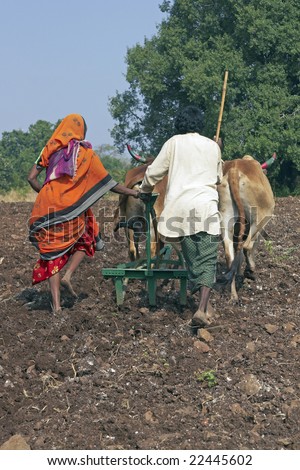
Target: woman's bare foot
55, 310
65, 282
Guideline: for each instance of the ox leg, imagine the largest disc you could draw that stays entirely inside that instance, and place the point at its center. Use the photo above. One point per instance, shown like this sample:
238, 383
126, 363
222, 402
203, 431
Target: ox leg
136, 238
133, 254
249, 248
234, 295
229, 256
134, 215
156, 246
153, 244
229, 215
154, 249
156, 243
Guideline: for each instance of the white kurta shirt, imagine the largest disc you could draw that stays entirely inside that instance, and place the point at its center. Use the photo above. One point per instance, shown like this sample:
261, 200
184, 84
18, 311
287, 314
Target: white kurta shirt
194, 167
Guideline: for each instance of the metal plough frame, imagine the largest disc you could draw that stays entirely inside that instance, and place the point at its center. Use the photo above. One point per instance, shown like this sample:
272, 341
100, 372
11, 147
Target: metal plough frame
149, 269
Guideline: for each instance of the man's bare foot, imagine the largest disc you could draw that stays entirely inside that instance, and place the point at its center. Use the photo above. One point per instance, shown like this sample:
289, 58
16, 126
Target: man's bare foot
67, 284
201, 319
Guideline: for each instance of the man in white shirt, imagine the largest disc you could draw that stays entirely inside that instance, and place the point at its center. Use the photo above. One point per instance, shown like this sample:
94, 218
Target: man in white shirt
194, 167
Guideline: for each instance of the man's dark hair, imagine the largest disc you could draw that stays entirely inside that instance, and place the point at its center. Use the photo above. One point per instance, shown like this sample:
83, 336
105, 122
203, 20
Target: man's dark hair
189, 119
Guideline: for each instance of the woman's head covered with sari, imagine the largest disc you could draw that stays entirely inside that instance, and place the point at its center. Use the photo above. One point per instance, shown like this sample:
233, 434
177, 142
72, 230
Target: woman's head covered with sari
72, 127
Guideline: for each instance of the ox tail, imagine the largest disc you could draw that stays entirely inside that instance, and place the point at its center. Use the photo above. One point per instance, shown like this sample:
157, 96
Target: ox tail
225, 280
233, 268
116, 219
233, 181
238, 256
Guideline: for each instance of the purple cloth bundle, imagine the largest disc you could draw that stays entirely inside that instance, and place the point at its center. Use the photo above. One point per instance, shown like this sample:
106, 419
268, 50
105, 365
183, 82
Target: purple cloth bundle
64, 160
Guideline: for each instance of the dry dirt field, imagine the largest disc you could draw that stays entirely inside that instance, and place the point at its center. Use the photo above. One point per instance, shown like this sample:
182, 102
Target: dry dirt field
134, 377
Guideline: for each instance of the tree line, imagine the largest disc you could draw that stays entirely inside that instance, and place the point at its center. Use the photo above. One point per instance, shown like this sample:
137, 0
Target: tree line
258, 42
19, 150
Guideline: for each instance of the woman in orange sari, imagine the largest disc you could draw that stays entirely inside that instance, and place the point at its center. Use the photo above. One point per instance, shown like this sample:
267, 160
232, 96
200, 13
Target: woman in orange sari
62, 224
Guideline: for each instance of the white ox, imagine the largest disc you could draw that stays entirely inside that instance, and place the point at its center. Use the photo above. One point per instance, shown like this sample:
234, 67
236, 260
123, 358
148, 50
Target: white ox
246, 204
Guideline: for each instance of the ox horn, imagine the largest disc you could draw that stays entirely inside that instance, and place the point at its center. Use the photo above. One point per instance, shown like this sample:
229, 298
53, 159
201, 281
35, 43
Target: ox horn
269, 162
138, 158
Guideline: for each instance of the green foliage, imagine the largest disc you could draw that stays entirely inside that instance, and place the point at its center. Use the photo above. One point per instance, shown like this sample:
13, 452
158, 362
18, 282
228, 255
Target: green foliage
258, 42
278, 254
18, 152
269, 246
115, 164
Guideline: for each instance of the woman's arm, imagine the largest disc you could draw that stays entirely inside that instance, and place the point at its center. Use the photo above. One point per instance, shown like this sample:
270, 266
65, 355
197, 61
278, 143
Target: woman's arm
32, 178
120, 189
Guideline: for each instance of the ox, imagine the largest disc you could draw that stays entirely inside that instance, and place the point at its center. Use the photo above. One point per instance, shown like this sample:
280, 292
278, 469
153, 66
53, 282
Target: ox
246, 204
130, 212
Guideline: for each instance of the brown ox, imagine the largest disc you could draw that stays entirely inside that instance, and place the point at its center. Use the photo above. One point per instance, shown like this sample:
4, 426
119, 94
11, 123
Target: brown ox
130, 212
246, 204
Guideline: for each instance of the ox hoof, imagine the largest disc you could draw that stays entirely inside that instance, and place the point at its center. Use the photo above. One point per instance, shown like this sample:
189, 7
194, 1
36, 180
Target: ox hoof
249, 274
201, 319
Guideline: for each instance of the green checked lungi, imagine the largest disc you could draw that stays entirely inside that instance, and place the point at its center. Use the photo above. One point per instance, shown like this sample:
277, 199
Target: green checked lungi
200, 253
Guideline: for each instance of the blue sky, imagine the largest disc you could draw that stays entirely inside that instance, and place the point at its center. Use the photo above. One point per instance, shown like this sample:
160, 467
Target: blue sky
68, 56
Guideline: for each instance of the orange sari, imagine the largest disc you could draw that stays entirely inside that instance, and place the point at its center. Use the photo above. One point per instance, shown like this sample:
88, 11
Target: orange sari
61, 216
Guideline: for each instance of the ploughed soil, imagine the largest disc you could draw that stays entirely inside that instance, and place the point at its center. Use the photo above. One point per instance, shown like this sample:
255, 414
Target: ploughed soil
132, 377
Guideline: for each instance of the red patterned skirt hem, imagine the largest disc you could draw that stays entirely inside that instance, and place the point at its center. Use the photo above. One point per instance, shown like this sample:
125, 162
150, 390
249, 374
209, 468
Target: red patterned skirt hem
44, 269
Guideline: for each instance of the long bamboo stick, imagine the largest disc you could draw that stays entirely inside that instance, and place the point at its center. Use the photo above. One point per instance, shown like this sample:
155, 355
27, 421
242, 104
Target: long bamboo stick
222, 105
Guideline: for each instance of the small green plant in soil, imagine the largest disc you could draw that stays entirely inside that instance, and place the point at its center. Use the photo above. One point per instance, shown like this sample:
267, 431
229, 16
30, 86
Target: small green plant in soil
208, 377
